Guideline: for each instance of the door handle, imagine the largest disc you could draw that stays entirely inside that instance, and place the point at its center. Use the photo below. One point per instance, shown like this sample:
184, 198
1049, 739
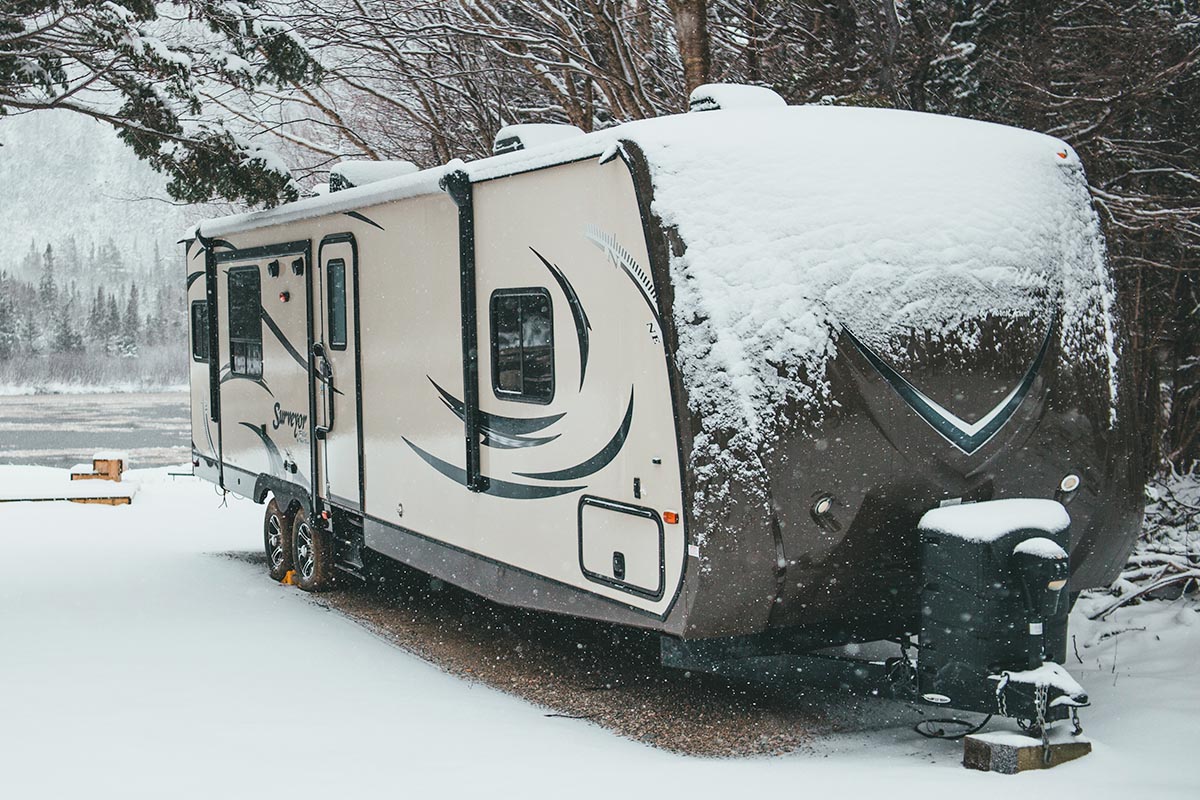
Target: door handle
325, 374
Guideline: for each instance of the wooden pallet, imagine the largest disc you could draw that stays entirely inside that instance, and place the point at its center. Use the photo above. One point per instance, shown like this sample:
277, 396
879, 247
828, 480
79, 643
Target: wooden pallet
49, 486
107, 469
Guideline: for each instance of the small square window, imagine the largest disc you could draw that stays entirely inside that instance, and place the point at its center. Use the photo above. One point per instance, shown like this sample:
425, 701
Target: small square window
523, 345
200, 330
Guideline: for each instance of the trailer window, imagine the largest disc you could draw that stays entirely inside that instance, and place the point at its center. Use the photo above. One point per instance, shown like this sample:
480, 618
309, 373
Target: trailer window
245, 323
200, 330
335, 285
523, 345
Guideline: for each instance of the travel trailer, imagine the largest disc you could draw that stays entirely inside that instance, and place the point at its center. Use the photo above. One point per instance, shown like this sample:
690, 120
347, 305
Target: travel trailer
762, 379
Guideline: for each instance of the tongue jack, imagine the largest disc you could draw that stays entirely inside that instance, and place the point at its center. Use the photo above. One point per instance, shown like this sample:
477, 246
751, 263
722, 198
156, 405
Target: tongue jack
1041, 569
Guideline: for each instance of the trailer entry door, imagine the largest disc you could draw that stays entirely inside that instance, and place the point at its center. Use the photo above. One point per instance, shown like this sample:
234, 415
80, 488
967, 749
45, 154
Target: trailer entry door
335, 359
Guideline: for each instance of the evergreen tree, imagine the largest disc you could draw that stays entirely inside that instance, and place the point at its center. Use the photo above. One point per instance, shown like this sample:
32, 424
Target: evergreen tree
131, 324
47, 286
112, 326
96, 334
66, 338
8, 319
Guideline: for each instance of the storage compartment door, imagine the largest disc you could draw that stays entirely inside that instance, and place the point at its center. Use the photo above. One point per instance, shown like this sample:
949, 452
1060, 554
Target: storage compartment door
622, 546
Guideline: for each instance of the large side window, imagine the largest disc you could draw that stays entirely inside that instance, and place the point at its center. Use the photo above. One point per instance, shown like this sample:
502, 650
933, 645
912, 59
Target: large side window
245, 322
522, 345
335, 285
200, 330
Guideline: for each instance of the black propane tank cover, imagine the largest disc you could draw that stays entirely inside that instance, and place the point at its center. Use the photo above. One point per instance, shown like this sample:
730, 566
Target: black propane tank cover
974, 617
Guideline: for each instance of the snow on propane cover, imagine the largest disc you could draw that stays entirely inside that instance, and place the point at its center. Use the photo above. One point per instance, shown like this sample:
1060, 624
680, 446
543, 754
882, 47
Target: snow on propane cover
799, 221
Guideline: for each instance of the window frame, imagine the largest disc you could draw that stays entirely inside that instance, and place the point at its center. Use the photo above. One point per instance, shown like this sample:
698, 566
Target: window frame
522, 396
206, 339
335, 344
230, 276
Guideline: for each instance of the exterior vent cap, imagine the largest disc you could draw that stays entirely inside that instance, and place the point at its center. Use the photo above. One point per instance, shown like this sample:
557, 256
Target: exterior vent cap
717, 96
523, 137
349, 174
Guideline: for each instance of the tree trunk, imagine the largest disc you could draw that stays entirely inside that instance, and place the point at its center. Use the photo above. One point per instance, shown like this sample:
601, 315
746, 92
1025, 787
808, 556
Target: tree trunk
691, 32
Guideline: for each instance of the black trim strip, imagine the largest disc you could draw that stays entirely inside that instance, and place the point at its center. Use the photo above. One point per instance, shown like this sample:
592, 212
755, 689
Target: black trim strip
457, 184
967, 442
362, 218
496, 488
658, 252
596, 462
582, 325
300, 247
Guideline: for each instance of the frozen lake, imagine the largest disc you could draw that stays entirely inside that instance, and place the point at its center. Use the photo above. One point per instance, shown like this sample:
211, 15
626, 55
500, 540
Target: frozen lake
59, 430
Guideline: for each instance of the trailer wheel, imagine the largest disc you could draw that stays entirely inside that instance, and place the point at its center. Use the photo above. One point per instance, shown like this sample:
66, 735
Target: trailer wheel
277, 540
312, 554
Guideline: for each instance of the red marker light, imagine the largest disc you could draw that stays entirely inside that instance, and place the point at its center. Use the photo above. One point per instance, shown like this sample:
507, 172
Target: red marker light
285, 296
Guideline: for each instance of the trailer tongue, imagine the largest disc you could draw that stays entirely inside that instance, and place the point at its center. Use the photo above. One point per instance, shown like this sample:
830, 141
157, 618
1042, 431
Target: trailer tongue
992, 631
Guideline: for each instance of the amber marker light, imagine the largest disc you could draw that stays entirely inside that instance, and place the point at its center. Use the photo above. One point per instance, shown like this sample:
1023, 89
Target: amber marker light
670, 517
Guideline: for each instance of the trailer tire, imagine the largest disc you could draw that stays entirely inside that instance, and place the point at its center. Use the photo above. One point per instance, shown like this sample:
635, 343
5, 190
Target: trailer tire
312, 554
277, 540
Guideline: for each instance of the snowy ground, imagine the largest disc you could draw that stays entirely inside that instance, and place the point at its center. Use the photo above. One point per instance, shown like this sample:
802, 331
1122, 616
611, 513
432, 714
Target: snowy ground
139, 659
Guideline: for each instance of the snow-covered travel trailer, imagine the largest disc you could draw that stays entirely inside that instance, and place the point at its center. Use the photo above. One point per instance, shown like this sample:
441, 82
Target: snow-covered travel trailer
720, 375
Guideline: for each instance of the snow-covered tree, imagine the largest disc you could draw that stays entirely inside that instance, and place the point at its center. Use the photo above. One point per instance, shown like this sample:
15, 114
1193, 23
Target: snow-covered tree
48, 286
143, 66
8, 318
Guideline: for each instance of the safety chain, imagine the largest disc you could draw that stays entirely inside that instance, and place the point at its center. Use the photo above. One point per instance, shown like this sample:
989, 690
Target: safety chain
1075, 721
1039, 708
1001, 703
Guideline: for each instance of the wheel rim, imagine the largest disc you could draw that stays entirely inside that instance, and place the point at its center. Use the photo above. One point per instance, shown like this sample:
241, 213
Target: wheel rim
304, 550
275, 542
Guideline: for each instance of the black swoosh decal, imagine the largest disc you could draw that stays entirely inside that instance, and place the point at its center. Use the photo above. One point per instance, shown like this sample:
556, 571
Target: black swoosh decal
193, 277
292, 351
209, 244
359, 216
582, 325
496, 488
278, 334
966, 441
596, 462
494, 424
227, 375
272, 451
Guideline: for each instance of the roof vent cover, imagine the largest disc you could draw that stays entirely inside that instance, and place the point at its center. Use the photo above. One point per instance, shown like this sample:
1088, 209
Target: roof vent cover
523, 137
349, 174
717, 96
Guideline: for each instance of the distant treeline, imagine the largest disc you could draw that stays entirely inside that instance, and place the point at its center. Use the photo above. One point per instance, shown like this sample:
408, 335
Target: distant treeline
65, 313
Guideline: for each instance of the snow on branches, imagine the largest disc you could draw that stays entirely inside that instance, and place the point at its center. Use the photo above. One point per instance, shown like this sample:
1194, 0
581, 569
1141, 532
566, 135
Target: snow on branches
147, 69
